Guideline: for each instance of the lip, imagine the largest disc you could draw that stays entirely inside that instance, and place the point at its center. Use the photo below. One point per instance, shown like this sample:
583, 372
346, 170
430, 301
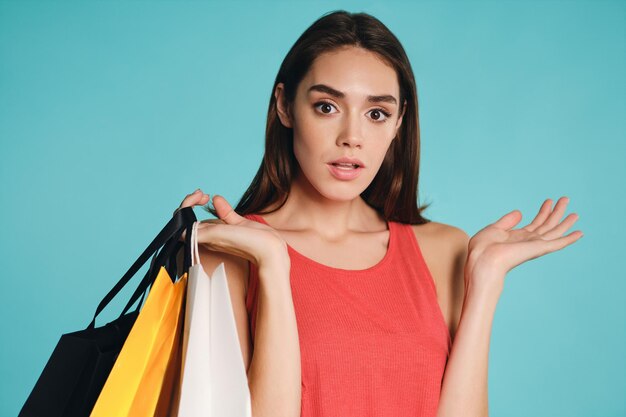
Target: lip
348, 160
344, 175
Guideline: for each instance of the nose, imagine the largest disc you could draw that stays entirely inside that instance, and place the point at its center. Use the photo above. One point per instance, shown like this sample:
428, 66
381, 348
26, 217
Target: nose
351, 134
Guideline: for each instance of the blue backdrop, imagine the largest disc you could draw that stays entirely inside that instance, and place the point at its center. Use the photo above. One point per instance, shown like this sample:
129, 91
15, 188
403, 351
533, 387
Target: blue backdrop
111, 112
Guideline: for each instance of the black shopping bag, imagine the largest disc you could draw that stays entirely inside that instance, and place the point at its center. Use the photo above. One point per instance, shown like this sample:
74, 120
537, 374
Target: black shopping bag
81, 362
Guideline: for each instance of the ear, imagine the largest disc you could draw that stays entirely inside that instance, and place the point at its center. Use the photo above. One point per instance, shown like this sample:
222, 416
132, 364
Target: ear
281, 108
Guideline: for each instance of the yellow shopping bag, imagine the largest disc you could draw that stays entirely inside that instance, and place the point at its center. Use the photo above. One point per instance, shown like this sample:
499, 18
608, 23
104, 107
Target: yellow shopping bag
140, 383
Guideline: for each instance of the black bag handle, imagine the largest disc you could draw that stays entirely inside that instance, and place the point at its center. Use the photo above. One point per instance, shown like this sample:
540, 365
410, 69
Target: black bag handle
167, 259
182, 219
171, 266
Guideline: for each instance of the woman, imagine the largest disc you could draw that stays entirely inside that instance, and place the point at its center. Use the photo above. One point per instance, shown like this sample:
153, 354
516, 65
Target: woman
349, 302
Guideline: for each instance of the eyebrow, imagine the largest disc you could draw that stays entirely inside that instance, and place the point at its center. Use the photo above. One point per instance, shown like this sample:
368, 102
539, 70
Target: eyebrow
323, 88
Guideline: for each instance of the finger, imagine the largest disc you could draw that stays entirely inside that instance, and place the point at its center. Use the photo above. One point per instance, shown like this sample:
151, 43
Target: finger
554, 217
509, 220
533, 249
559, 229
193, 199
544, 212
225, 211
561, 242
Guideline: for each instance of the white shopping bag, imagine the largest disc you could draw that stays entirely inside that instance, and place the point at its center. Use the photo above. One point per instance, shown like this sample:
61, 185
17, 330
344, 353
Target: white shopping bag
213, 376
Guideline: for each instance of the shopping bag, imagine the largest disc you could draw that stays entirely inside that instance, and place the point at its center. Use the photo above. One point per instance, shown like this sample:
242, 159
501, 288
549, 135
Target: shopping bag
213, 376
76, 371
134, 385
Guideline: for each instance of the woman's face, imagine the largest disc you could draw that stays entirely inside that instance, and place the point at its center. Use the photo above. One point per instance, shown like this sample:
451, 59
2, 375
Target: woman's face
346, 106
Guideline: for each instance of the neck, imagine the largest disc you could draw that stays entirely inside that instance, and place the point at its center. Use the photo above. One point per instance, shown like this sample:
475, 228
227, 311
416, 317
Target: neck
307, 209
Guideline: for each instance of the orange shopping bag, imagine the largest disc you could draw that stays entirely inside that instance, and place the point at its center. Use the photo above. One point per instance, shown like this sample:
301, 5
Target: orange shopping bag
141, 381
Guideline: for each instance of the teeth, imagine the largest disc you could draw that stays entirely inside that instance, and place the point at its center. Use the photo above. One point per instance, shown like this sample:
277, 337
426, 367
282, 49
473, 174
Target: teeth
346, 165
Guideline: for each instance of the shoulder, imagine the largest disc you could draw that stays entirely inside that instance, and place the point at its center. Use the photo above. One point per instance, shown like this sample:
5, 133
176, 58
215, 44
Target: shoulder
441, 238
444, 247
441, 230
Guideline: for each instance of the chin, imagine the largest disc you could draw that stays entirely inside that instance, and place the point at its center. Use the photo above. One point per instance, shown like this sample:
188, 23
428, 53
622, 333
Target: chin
336, 190
340, 192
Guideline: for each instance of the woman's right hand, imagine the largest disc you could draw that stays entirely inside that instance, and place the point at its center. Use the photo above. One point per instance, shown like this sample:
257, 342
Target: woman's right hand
237, 235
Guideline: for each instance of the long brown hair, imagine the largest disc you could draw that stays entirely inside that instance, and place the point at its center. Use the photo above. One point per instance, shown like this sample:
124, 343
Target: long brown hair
394, 190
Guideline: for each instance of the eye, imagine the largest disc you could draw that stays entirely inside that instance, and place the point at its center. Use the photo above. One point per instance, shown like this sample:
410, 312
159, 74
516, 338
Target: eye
381, 111
323, 103
378, 111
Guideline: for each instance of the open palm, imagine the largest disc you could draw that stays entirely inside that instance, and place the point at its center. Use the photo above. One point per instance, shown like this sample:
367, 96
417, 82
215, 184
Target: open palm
498, 248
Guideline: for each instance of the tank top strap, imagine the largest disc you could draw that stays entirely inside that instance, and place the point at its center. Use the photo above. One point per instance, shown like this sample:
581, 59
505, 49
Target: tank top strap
410, 248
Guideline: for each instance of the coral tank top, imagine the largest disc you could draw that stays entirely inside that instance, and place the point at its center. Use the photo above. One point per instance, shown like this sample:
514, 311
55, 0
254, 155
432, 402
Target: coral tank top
373, 342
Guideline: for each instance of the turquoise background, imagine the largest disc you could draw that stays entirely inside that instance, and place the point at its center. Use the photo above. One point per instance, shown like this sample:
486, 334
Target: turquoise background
111, 112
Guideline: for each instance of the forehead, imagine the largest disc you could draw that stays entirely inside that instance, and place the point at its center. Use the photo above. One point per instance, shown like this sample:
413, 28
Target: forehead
354, 71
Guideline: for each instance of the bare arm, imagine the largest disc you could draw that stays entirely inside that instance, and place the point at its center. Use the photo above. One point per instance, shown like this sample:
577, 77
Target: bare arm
274, 374
465, 381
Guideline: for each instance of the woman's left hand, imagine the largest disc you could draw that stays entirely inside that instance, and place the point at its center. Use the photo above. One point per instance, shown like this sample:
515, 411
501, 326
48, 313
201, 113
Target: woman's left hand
497, 248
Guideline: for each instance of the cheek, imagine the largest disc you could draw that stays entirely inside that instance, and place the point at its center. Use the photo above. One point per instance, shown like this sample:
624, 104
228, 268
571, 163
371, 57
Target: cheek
376, 163
307, 144
310, 142
306, 152
382, 152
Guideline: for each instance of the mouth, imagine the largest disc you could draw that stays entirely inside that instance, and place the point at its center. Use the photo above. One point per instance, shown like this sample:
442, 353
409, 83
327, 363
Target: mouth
345, 166
344, 172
